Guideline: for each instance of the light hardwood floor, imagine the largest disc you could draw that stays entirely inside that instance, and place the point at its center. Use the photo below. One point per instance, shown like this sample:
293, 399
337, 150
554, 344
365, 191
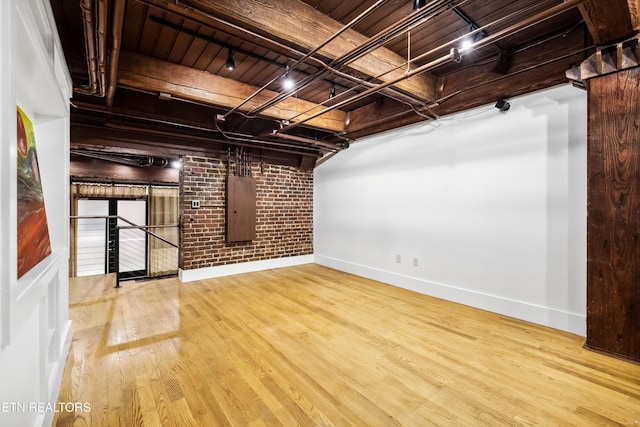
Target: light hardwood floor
311, 346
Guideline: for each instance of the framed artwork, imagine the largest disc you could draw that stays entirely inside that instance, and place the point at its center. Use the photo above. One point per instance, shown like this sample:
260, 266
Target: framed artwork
34, 243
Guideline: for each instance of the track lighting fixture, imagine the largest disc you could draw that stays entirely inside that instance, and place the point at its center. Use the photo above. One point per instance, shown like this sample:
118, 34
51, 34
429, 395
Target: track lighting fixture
502, 105
419, 4
231, 65
287, 82
332, 94
476, 35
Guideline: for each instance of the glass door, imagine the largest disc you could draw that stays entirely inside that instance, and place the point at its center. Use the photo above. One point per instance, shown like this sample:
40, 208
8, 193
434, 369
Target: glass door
133, 241
96, 237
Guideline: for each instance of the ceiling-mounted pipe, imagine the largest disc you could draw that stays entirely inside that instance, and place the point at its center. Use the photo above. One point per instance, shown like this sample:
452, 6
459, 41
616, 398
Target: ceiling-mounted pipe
105, 157
378, 40
435, 50
315, 142
267, 145
453, 55
233, 136
523, 70
430, 53
116, 41
95, 45
443, 60
308, 55
89, 44
389, 33
442, 100
346, 27
121, 113
188, 11
101, 30
100, 109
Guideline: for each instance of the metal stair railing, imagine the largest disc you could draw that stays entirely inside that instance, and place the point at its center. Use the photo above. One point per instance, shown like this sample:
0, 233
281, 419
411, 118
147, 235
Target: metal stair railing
160, 252
158, 258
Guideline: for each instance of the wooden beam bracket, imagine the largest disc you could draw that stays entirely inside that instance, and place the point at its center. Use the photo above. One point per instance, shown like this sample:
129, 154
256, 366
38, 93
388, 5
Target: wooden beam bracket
606, 60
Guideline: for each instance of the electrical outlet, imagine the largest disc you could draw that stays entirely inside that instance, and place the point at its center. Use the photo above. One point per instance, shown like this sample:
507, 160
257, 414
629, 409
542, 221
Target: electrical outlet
195, 204
398, 259
415, 262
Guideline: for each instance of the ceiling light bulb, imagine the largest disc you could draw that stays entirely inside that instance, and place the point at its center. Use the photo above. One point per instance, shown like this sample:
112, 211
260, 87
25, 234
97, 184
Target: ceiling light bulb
176, 164
466, 44
288, 83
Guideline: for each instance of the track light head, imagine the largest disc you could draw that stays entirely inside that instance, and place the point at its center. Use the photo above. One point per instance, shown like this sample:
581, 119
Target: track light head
332, 94
287, 81
502, 105
419, 4
231, 65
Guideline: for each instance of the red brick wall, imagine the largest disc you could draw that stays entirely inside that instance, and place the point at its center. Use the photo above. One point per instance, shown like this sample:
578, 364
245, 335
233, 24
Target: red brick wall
284, 214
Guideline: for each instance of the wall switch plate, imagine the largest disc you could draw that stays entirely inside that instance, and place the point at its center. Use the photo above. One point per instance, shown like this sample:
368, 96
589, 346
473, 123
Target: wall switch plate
398, 259
415, 262
195, 204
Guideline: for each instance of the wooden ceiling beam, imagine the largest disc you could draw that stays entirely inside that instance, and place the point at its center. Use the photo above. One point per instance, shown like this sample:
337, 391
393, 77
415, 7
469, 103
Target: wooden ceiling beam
611, 20
304, 27
150, 74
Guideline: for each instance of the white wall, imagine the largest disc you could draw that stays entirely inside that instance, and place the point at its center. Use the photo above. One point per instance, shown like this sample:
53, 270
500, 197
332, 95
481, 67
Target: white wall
490, 206
34, 310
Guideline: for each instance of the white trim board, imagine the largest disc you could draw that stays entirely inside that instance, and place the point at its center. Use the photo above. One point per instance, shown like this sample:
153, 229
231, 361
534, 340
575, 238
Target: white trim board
55, 379
244, 267
546, 316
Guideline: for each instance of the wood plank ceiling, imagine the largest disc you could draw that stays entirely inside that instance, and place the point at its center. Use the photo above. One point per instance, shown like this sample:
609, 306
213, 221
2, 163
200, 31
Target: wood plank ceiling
151, 75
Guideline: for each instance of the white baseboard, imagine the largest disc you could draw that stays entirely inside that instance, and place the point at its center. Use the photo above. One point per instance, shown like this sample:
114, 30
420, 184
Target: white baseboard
244, 267
546, 316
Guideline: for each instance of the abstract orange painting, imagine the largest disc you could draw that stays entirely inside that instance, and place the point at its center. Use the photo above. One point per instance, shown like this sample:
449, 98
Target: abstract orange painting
34, 244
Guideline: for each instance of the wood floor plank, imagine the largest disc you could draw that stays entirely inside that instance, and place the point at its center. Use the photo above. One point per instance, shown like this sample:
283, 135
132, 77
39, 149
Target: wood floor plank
312, 346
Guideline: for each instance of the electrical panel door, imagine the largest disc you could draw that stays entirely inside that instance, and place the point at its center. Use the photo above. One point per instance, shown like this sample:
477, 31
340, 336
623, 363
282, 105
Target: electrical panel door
241, 209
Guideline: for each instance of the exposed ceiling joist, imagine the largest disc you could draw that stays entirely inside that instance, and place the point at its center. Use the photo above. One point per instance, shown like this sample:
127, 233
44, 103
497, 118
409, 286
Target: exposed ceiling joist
337, 51
304, 27
147, 73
